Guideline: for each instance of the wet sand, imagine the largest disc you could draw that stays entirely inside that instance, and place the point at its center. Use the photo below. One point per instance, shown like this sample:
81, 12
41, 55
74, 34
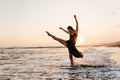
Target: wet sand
99, 63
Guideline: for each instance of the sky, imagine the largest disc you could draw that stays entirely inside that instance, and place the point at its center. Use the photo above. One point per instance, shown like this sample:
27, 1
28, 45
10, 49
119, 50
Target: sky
24, 22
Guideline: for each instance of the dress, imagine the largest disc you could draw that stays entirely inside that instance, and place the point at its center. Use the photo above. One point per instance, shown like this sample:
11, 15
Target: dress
71, 46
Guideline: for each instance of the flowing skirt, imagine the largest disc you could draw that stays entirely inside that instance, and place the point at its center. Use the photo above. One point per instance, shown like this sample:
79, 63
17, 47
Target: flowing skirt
72, 49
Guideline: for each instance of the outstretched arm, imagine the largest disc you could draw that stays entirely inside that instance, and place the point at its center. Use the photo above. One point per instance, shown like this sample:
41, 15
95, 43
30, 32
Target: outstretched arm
64, 30
76, 24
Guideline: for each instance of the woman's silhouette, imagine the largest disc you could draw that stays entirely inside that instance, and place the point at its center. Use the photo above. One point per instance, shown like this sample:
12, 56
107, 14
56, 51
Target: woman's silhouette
70, 44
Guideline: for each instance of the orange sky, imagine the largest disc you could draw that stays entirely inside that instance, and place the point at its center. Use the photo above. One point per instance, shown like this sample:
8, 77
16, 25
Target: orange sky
24, 22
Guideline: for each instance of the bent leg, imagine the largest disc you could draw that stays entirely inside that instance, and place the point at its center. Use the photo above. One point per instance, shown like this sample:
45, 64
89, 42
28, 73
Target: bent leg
58, 39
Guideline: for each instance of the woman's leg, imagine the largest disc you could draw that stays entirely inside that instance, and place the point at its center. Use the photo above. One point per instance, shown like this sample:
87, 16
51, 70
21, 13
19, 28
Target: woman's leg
57, 39
64, 43
71, 58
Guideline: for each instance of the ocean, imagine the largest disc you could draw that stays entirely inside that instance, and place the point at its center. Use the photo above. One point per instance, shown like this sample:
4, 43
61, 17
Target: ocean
98, 63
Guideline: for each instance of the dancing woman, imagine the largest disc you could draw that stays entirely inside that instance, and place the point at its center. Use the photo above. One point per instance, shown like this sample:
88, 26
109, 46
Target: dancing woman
70, 44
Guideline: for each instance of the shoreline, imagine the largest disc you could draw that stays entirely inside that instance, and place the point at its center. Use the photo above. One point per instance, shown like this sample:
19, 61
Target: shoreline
58, 46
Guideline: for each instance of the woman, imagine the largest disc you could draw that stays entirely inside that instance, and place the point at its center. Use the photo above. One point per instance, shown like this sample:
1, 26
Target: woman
70, 44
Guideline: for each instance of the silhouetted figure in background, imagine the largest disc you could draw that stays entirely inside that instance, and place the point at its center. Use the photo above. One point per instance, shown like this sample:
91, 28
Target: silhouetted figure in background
70, 44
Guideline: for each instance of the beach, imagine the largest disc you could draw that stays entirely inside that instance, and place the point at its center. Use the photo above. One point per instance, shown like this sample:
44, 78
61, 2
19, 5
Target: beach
98, 63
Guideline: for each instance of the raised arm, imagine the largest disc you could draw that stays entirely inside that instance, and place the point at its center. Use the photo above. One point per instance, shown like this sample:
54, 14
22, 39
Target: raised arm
64, 30
76, 24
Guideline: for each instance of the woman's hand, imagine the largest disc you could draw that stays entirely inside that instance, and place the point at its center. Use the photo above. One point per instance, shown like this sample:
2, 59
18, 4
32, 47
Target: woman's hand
75, 16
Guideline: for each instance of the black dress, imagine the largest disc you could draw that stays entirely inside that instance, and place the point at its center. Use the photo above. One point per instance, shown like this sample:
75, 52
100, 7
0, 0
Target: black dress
71, 46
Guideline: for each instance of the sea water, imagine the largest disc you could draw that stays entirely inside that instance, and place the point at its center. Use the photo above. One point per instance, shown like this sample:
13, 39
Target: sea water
98, 63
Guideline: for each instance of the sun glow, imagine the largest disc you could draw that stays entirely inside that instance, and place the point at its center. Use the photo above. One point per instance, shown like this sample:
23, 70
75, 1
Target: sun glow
80, 40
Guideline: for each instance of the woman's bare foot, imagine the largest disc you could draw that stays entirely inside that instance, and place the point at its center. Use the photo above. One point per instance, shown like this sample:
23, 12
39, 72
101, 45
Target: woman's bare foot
48, 33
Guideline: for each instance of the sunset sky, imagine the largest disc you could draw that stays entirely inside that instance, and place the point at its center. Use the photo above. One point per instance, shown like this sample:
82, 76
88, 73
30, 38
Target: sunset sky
24, 22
